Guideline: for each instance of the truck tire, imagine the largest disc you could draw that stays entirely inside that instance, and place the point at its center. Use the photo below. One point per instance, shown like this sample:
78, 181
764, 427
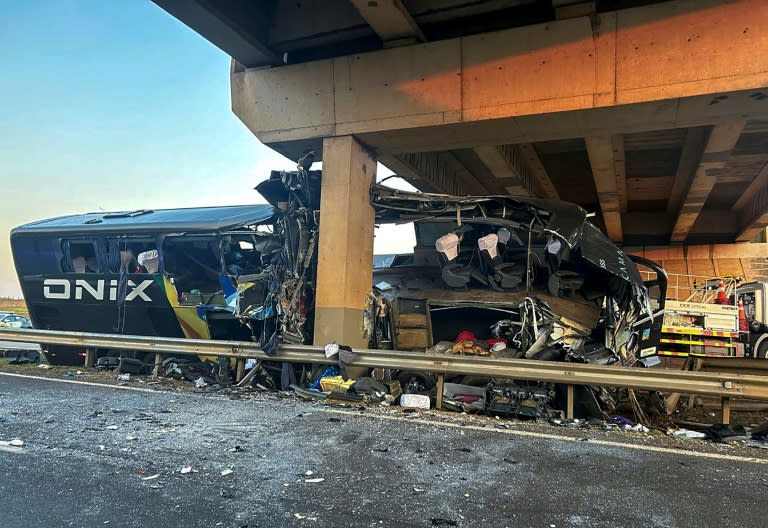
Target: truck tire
761, 347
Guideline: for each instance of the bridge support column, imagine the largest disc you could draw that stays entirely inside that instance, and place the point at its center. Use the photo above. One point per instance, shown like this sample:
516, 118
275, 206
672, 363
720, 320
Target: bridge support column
345, 253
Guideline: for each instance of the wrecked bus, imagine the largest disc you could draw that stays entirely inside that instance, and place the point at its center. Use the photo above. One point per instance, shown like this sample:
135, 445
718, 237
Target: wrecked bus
498, 275
532, 274
239, 272
511, 277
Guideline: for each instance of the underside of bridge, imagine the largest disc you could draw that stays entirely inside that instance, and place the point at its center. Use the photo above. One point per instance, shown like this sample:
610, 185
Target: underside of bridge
651, 114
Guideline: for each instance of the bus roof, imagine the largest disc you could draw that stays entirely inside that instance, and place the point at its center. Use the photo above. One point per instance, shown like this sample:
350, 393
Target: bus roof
203, 219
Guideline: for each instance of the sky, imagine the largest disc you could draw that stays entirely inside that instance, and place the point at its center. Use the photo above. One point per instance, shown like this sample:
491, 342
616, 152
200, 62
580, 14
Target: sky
114, 105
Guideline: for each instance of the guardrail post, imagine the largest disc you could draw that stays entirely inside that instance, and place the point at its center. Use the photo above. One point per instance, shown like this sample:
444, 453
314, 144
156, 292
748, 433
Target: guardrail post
695, 367
89, 357
156, 369
440, 386
569, 402
240, 370
726, 404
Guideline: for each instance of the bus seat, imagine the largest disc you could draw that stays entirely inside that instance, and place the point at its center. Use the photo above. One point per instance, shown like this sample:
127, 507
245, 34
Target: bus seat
501, 275
91, 265
454, 274
128, 261
78, 264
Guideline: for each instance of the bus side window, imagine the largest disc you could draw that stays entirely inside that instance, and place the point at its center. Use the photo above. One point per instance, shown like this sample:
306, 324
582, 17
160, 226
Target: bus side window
124, 254
81, 256
193, 263
241, 258
37, 256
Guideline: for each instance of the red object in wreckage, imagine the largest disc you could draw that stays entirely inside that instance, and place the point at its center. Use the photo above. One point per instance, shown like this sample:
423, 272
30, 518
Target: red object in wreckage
465, 335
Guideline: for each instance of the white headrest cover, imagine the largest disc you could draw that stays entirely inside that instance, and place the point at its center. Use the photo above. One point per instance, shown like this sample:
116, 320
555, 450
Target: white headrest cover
554, 245
150, 260
447, 245
504, 235
78, 264
489, 242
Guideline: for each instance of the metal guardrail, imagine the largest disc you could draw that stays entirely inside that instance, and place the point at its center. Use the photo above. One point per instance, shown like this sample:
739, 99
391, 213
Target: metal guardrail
725, 385
738, 365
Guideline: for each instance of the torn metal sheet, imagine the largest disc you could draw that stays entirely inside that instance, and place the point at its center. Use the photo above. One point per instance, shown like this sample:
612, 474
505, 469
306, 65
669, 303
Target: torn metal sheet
563, 218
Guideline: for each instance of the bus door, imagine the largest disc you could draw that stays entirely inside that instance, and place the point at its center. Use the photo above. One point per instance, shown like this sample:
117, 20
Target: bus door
648, 327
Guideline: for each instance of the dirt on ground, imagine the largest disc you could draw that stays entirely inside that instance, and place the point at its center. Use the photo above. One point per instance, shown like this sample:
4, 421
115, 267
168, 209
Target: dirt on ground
705, 412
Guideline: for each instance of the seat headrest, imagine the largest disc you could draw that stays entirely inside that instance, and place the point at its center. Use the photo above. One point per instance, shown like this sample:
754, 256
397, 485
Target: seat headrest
150, 260
78, 264
489, 243
448, 245
504, 235
554, 245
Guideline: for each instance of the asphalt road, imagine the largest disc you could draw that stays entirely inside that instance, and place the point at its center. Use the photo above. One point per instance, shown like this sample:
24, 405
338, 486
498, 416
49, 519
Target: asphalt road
15, 345
90, 451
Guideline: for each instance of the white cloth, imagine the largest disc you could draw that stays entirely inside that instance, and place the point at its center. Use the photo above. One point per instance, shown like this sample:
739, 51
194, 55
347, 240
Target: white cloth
553, 246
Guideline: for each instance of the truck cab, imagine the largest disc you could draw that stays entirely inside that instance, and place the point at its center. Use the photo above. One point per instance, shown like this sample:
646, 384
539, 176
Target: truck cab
754, 296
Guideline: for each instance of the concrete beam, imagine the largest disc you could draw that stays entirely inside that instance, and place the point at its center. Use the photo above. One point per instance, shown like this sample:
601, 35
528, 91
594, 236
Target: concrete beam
410, 169
634, 118
521, 164
504, 162
603, 161
693, 148
620, 170
462, 174
345, 251
437, 172
223, 31
721, 141
390, 20
568, 9
547, 189
752, 208
715, 222
702, 251
508, 86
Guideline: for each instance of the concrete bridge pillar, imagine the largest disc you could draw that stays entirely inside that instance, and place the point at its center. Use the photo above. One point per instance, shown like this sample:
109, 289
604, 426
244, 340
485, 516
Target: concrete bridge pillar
345, 253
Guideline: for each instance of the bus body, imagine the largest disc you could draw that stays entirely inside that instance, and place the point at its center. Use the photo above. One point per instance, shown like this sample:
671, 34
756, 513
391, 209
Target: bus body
242, 272
248, 273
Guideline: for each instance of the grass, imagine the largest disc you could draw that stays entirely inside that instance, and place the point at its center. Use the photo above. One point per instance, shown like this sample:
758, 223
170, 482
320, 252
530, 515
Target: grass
13, 305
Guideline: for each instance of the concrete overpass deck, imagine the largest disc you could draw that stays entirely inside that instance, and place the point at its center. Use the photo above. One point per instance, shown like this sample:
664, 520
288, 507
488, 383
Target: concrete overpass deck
654, 114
